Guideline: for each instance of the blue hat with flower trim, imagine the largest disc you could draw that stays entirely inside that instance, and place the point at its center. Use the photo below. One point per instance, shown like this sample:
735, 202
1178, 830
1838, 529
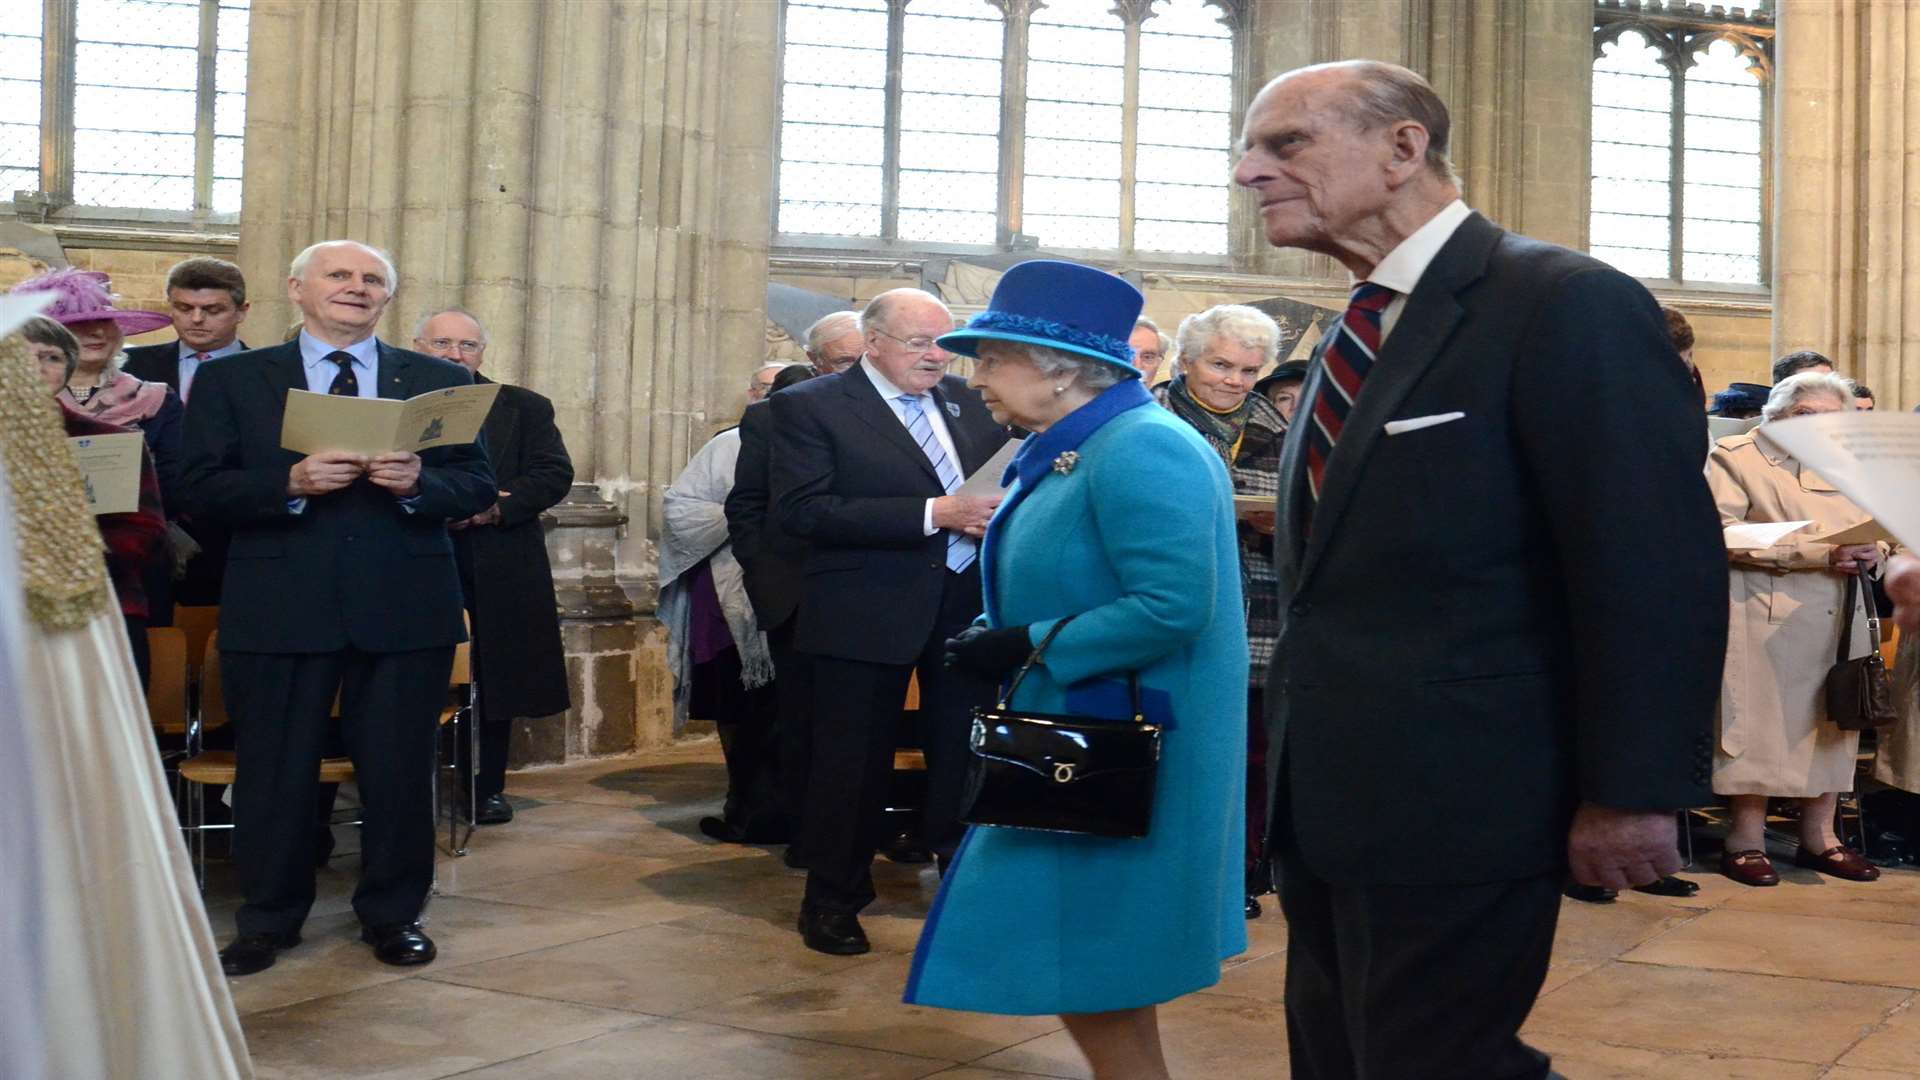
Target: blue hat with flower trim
1060, 305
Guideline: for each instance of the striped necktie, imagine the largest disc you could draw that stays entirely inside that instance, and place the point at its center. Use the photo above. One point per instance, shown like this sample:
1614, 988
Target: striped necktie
1346, 359
961, 548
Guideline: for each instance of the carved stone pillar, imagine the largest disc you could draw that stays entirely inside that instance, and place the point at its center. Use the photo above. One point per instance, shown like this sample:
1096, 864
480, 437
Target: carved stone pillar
593, 178
1846, 247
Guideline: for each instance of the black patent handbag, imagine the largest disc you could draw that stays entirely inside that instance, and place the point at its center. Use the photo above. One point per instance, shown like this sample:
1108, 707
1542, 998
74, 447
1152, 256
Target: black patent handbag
1061, 773
1860, 692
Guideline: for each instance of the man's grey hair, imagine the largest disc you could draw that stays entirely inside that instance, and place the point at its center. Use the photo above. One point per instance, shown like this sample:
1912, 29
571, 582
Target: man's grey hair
830, 327
1794, 389
1166, 343
1093, 374
1383, 94
1246, 326
771, 365
298, 267
880, 307
420, 328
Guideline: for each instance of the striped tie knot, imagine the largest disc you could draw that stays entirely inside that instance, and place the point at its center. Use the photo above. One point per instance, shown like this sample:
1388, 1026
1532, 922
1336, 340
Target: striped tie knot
1346, 361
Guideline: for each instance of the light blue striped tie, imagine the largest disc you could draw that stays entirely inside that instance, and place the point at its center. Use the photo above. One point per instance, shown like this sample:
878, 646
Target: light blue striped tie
961, 548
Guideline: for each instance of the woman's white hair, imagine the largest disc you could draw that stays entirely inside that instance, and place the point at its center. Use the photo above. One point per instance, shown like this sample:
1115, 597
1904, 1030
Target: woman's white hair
1794, 389
1246, 326
1058, 363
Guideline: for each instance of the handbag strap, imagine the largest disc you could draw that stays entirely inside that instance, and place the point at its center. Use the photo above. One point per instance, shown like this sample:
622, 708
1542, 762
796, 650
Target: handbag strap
1856, 593
1133, 677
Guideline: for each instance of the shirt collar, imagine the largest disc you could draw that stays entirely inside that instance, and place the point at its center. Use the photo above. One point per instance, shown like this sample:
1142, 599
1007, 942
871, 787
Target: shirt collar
314, 352
188, 352
1401, 269
888, 391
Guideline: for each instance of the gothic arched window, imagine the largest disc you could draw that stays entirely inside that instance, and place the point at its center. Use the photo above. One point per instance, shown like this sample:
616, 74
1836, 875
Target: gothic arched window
1679, 186
1102, 126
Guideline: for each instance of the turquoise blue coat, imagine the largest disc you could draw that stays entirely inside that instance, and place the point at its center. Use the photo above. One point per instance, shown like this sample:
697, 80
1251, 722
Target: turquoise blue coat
1138, 538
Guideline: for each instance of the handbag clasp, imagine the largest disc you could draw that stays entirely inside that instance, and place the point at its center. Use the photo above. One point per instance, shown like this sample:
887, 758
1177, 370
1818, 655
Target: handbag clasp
1063, 773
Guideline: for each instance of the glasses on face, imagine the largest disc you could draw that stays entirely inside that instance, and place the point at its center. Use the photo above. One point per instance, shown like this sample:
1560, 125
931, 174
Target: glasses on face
468, 348
920, 344
1149, 356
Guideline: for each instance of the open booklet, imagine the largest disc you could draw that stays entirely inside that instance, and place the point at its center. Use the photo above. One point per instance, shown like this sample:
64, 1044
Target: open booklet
450, 417
110, 466
1872, 457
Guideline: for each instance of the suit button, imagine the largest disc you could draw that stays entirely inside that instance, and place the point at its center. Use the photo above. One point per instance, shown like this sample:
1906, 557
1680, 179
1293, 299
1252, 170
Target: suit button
1299, 608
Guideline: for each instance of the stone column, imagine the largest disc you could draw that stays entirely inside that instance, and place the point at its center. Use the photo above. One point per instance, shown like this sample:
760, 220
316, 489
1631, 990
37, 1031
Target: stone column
592, 178
1846, 240
1513, 74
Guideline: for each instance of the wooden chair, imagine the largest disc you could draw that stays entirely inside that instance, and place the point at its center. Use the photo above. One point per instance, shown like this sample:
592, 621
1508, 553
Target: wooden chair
458, 719
167, 685
203, 767
199, 624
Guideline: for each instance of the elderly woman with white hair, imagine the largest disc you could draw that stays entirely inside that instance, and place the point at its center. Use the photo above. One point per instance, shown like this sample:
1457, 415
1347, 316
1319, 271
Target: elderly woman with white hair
1222, 352
1774, 737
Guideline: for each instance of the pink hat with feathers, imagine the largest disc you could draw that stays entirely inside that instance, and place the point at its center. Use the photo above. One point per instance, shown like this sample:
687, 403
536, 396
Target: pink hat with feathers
86, 296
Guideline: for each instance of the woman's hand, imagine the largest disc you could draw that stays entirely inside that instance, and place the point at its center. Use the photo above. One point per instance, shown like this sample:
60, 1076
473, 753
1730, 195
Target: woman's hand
989, 653
1853, 558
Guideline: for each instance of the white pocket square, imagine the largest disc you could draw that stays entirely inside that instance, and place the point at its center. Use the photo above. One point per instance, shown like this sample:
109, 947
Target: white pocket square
1401, 427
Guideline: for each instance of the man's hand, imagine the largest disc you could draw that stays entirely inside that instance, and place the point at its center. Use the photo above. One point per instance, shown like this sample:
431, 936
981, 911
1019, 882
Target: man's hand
1903, 584
965, 513
489, 516
1853, 558
327, 471
397, 472
1618, 849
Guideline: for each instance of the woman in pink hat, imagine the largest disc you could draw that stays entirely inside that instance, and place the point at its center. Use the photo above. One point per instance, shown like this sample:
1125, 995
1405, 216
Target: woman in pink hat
99, 390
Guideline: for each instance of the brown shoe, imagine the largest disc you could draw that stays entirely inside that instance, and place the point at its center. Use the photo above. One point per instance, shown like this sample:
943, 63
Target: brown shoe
1749, 867
1838, 861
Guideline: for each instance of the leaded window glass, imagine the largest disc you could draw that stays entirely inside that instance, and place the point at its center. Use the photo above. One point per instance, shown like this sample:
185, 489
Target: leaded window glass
1679, 144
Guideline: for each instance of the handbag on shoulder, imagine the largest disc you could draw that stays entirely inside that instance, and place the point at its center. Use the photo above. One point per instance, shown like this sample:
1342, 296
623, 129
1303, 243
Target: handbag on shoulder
1859, 692
1062, 773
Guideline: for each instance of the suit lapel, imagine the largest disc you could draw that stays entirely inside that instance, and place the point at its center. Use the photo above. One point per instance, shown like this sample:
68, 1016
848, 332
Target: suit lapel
1293, 474
963, 444
282, 369
394, 373
1426, 322
866, 403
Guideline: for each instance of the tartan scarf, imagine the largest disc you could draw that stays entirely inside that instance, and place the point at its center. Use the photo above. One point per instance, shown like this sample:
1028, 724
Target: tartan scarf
1223, 431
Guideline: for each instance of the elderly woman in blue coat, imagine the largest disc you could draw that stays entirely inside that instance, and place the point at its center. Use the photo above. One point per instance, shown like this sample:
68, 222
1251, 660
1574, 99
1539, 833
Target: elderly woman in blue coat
1119, 515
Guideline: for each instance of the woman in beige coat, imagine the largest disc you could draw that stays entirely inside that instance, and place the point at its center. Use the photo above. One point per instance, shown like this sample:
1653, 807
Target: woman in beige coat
1783, 633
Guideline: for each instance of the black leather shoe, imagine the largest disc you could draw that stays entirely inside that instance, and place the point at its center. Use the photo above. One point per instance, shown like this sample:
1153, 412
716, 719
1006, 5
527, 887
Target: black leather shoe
1253, 907
402, 945
723, 830
1589, 894
793, 858
834, 934
494, 810
1668, 885
906, 850
249, 953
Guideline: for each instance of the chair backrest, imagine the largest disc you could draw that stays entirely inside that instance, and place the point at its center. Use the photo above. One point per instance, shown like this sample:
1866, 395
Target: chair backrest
213, 699
167, 682
199, 623
462, 665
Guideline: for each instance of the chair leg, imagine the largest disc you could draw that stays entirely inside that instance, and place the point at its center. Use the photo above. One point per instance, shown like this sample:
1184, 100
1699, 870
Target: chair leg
1686, 833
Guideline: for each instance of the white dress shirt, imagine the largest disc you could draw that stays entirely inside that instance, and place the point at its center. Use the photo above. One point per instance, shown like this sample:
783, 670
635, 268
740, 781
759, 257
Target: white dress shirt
891, 394
1402, 268
322, 371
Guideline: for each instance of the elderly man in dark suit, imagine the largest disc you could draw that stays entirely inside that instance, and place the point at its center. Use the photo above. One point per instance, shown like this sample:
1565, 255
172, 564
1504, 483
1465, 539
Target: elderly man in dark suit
340, 584
519, 664
866, 470
1503, 587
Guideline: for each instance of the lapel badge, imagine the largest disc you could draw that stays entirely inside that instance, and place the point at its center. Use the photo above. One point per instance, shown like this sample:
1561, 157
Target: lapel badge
953, 410
1065, 462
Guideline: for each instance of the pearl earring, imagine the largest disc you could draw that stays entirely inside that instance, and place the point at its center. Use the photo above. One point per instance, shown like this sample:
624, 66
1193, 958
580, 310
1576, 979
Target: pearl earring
1059, 389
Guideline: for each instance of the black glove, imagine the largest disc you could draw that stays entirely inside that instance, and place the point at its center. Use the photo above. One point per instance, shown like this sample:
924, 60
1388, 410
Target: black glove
989, 653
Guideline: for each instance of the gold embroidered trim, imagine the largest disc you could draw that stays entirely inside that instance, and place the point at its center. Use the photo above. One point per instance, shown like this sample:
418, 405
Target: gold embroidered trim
62, 559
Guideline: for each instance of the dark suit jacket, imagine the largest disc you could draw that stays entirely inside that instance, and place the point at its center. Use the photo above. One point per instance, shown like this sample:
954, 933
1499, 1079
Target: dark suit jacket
505, 566
158, 363
850, 481
354, 568
772, 559
1496, 618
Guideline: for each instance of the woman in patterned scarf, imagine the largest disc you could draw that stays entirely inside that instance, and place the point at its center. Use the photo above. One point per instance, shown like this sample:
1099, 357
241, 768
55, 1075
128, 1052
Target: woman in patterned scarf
1222, 351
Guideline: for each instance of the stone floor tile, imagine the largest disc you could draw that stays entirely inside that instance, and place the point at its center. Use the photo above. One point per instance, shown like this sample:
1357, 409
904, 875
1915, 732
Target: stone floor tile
466, 930
1714, 1012
1263, 978
649, 890
688, 1050
1894, 1047
496, 859
1605, 931
414, 1030
975, 1072
1895, 898
1841, 950
662, 970
1845, 1073
1205, 1035
862, 1007
1586, 1059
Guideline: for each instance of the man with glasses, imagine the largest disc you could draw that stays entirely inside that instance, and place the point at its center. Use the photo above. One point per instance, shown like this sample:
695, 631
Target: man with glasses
866, 467
1150, 348
518, 661
834, 342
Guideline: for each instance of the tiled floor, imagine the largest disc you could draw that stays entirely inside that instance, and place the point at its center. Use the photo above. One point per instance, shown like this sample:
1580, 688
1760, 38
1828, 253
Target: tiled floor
600, 935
